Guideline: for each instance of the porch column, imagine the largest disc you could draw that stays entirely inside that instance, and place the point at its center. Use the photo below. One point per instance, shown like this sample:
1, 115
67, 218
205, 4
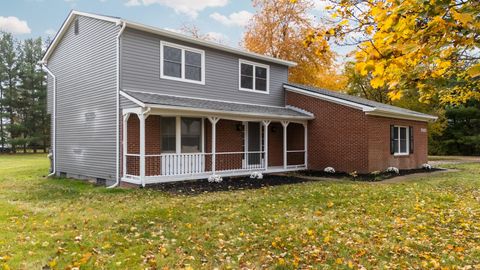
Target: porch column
125, 142
214, 121
305, 144
142, 116
266, 123
285, 125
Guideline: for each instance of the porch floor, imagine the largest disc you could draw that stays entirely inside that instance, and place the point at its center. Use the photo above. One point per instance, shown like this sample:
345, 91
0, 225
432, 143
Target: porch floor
149, 180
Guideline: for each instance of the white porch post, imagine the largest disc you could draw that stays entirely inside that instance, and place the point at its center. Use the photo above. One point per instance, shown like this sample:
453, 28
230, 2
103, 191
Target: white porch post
125, 143
305, 144
266, 123
285, 125
142, 118
214, 121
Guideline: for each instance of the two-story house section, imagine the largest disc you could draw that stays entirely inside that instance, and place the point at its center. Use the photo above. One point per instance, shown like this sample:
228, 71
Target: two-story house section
138, 104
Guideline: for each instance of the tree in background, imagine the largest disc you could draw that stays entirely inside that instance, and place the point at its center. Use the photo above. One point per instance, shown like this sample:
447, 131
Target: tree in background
462, 133
359, 85
194, 31
32, 94
9, 63
431, 47
278, 29
23, 100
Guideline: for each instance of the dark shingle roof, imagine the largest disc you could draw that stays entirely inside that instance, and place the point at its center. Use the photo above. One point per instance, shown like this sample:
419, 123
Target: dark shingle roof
220, 106
359, 100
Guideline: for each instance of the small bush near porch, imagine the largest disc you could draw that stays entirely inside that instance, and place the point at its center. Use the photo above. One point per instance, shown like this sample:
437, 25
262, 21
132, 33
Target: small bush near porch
430, 222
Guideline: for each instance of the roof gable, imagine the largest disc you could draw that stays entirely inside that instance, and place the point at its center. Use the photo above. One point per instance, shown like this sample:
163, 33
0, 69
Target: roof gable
162, 32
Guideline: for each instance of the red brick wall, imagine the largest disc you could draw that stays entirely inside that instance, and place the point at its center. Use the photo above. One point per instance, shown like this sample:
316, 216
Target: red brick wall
348, 140
275, 144
379, 144
228, 139
295, 141
337, 136
152, 145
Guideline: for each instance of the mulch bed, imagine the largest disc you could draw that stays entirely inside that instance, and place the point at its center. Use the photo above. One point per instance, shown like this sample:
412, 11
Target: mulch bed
244, 183
228, 184
367, 177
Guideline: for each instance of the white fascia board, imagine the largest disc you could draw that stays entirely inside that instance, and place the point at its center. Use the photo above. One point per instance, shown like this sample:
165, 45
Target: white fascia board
329, 98
405, 116
73, 14
132, 99
208, 44
202, 112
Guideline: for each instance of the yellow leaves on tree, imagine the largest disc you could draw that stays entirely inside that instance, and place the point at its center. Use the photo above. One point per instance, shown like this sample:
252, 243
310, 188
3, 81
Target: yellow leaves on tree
283, 29
430, 47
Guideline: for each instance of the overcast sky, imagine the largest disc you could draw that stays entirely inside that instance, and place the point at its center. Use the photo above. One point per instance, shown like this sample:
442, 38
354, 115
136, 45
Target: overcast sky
221, 19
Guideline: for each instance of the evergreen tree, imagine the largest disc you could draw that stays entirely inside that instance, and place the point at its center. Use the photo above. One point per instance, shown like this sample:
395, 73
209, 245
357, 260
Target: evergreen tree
462, 134
9, 62
32, 94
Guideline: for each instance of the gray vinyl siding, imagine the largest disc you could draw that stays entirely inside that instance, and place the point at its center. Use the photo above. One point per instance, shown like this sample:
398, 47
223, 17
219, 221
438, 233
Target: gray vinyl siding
126, 104
85, 69
140, 70
49, 94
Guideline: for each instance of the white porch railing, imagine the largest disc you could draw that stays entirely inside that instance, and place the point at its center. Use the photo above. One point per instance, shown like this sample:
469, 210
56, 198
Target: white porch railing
296, 159
176, 164
198, 163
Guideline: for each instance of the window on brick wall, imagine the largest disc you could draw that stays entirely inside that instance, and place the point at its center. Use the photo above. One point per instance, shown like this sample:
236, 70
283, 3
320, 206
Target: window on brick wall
400, 140
191, 135
168, 134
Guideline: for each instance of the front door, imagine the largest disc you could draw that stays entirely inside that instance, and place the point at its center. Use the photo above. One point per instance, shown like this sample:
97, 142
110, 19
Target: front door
254, 144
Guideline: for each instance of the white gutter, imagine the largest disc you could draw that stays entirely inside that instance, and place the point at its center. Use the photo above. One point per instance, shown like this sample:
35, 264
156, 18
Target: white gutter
117, 111
54, 116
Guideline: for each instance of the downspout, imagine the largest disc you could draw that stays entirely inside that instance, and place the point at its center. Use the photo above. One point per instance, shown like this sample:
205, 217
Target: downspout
117, 112
54, 116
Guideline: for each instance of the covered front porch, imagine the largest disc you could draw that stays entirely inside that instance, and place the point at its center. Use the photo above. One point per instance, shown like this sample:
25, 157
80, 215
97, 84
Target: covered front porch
175, 144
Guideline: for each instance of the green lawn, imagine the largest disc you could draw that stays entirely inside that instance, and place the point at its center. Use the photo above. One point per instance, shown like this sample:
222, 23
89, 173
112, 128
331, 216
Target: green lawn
431, 222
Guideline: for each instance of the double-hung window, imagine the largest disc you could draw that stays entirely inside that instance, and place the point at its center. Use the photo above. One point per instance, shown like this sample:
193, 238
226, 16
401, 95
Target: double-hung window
182, 63
253, 77
401, 140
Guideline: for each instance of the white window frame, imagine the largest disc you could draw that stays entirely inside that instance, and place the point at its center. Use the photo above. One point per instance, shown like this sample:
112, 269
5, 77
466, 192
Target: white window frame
183, 48
407, 139
254, 64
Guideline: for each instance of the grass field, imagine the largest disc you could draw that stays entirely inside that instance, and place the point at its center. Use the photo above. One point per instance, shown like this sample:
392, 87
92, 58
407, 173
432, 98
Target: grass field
431, 222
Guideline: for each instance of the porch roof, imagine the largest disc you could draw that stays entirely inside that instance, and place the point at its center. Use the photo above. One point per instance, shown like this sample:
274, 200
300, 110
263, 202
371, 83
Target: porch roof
154, 100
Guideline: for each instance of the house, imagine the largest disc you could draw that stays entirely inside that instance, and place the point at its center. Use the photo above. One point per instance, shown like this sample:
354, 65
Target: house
136, 104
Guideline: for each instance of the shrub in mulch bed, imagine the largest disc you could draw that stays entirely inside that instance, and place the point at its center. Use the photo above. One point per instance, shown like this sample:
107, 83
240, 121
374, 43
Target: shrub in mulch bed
228, 184
370, 177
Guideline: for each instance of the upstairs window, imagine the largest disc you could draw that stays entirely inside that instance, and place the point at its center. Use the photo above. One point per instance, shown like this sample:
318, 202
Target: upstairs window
253, 77
182, 63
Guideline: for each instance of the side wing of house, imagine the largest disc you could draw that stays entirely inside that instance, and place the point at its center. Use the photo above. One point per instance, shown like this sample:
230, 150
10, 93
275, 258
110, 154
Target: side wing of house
218, 76
354, 134
84, 64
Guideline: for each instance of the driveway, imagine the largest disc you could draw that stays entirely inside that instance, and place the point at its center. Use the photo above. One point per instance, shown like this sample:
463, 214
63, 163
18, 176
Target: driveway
436, 161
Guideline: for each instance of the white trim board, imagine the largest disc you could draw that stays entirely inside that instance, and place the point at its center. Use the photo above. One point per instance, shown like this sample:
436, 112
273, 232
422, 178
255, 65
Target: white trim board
369, 110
